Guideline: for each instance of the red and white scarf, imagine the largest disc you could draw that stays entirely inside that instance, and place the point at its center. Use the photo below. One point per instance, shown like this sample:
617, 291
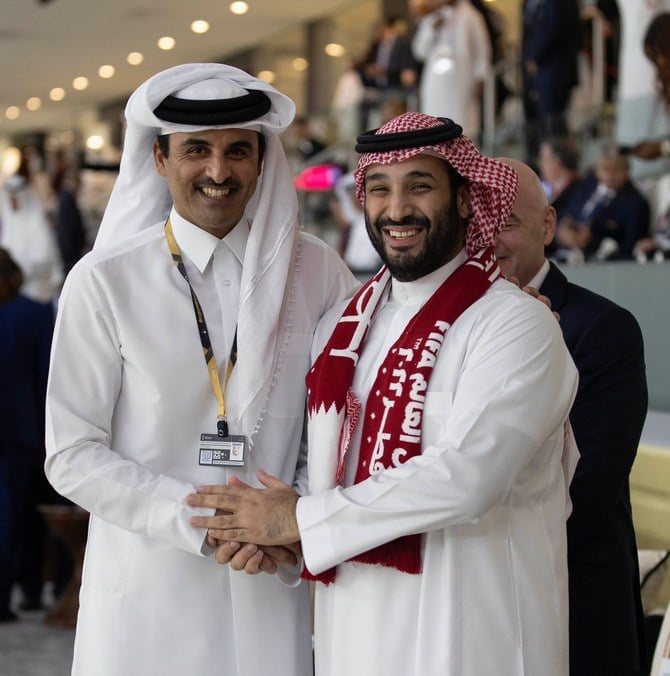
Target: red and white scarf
394, 410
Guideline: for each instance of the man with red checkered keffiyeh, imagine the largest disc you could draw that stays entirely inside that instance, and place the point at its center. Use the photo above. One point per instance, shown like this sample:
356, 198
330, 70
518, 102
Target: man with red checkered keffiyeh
439, 454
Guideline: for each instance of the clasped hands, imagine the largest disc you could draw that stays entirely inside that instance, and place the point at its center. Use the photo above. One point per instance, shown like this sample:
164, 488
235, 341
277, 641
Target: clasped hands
253, 529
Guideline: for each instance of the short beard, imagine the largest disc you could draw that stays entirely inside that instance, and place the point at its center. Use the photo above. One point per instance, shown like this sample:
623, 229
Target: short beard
443, 242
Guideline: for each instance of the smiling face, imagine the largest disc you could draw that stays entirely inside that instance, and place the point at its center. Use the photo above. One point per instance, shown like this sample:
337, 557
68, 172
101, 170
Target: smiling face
413, 217
519, 246
211, 175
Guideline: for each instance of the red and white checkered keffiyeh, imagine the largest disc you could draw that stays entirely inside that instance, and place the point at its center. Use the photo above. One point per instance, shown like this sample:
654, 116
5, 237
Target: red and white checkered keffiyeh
492, 185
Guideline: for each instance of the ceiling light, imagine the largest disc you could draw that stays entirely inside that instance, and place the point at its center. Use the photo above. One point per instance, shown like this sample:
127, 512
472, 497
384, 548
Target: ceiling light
299, 63
200, 26
34, 103
95, 142
267, 76
135, 58
106, 71
10, 161
334, 49
12, 112
239, 7
57, 94
166, 43
80, 83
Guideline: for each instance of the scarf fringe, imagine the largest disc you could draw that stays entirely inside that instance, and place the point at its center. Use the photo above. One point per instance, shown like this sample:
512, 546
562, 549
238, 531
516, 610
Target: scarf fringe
403, 554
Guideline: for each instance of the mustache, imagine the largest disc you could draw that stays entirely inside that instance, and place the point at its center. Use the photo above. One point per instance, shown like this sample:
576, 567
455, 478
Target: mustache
228, 183
407, 220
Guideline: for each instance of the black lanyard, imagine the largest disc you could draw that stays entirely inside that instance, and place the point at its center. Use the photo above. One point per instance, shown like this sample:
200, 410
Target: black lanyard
219, 392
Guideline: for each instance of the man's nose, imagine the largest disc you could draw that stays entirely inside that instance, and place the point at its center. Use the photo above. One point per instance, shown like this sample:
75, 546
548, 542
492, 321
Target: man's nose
218, 168
398, 206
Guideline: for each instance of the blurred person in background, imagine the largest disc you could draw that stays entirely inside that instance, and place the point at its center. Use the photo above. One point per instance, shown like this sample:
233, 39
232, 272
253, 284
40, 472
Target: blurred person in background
392, 70
70, 230
303, 140
560, 175
550, 43
607, 215
453, 45
26, 328
27, 233
559, 171
355, 246
657, 49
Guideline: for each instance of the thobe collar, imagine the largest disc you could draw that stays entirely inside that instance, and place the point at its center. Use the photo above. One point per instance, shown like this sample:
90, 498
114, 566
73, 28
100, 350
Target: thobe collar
200, 245
423, 288
540, 276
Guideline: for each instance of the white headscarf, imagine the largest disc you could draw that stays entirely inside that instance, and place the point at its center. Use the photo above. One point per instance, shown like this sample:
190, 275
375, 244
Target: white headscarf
141, 199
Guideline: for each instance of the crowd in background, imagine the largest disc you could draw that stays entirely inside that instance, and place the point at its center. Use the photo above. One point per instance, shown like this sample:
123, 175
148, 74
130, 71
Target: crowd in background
440, 60
437, 62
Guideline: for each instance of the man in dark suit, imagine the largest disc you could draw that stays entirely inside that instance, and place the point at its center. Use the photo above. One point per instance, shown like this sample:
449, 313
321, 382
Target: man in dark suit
25, 340
391, 69
551, 39
607, 215
606, 619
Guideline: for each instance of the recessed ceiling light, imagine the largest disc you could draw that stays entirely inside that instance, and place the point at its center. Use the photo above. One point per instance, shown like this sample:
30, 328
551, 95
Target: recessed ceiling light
12, 112
200, 26
267, 76
10, 160
80, 83
239, 7
95, 142
300, 64
166, 43
57, 94
34, 103
135, 58
334, 49
106, 71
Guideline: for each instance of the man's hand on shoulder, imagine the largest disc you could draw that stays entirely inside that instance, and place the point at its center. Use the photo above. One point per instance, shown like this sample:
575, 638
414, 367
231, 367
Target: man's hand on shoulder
532, 291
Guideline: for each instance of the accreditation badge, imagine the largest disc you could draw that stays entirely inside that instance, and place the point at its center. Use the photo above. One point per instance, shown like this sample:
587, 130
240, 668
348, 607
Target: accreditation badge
216, 451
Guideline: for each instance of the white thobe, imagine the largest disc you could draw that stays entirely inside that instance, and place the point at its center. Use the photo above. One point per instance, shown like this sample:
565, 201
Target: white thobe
456, 57
489, 493
25, 231
128, 397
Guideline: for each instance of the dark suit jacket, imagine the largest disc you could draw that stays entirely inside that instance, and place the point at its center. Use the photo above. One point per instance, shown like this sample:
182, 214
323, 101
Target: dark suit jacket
70, 230
551, 38
400, 59
625, 219
25, 341
560, 203
606, 619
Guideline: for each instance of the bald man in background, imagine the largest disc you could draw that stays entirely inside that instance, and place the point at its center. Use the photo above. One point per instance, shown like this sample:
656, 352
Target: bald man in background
606, 618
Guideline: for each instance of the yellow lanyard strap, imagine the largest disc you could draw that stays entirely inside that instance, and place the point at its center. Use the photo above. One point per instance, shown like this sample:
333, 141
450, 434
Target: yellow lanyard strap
222, 422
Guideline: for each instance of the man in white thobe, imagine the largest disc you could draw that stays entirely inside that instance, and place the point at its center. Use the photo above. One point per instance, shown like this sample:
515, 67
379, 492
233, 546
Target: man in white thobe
439, 450
454, 47
199, 254
25, 231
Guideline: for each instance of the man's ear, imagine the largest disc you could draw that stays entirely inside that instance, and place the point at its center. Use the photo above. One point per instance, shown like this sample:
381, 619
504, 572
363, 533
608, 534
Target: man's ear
159, 159
463, 202
549, 225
